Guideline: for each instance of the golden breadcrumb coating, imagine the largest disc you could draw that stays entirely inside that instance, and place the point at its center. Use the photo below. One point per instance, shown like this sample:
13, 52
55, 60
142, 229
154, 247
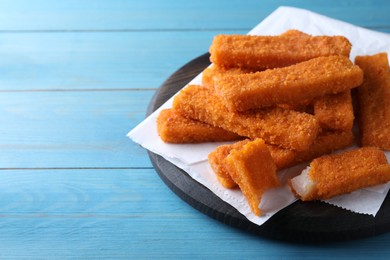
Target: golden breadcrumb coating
281, 157
266, 52
294, 32
216, 159
291, 96
285, 128
325, 143
374, 101
172, 127
294, 84
254, 170
211, 74
335, 111
346, 172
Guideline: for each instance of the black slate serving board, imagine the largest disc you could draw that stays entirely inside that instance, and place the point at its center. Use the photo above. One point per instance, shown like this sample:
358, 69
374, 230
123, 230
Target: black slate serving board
299, 222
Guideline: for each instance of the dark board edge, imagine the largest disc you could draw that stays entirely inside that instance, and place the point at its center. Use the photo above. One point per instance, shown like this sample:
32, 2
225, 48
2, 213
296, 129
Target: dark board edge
309, 222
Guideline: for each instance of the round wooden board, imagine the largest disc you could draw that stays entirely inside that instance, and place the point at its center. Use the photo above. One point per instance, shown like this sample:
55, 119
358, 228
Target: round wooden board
299, 222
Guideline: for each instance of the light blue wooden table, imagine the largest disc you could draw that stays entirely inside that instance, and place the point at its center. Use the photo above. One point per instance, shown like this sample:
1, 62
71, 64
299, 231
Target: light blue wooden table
75, 77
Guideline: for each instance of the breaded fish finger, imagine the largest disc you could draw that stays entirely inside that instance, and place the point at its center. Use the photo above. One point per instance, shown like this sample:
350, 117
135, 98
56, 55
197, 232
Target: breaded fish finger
267, 52
325, 143
253, 169
286, 128
336, 174
216, 160
172, 127
374, 101
212, 73
294, 84
335, 111
294, 32
281, 157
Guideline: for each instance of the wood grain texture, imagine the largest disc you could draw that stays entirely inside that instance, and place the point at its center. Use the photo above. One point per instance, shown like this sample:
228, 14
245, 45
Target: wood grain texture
300, 222
93, 59
71, 129
129, 214
128, 15
75, 77
89, 61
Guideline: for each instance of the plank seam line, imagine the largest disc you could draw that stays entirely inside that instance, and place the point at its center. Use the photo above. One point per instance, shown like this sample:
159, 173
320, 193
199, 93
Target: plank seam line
77, 215
123, 30
78, 90
74, 168
129, 30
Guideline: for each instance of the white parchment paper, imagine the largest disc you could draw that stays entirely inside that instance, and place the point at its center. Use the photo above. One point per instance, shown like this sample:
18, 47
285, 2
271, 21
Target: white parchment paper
192, 158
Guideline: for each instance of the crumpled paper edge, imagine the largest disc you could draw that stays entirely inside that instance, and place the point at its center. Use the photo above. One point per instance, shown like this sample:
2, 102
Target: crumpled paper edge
370, 201
189, 166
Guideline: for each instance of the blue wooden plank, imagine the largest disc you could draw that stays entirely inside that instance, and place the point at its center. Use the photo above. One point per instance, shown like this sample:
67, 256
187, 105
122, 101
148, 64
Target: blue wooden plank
136, 60
96, 60
110, 213
154, 14
131, 214
71, 129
